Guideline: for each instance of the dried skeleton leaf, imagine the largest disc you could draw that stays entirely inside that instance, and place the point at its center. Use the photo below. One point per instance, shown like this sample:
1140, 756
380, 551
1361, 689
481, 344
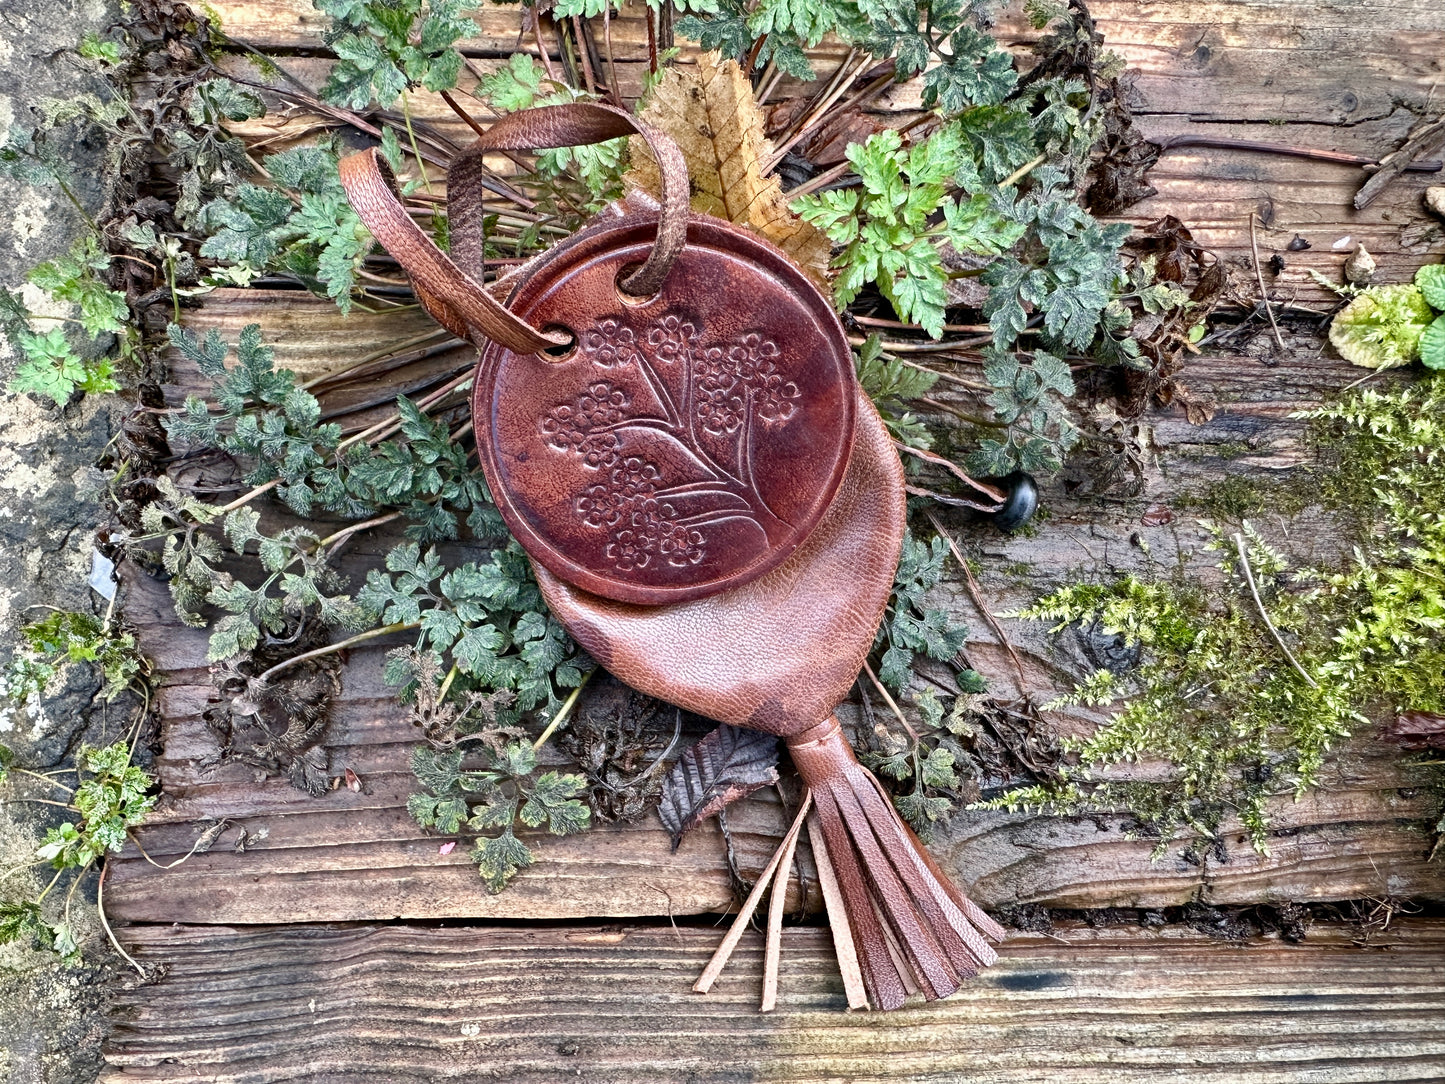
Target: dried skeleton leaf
728, 764
710, 111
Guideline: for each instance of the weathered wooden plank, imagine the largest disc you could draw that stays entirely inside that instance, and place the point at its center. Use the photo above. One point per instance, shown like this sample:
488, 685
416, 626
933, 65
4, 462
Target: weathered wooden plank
612, 1004
1222, 60
1266, 72
358, 856
309, 335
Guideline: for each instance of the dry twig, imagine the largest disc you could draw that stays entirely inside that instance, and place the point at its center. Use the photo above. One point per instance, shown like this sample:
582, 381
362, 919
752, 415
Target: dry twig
1259, 603
1259, 275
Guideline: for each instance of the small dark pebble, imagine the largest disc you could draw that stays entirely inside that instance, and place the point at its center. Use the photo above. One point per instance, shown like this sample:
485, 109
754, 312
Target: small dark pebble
1299, 244
1021, 502
1276, 264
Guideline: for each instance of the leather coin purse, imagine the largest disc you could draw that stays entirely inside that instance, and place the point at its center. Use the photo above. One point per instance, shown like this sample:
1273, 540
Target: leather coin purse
667, 416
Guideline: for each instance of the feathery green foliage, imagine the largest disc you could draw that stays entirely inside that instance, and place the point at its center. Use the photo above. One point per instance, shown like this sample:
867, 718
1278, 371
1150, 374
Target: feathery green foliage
305, 227
1215, 696
488, 802
911, 625
55, 362
62, 639
891, 383
111, 796
385, 47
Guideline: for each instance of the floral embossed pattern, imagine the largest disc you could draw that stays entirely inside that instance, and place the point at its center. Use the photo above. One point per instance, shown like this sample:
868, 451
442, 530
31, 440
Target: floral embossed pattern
707, 399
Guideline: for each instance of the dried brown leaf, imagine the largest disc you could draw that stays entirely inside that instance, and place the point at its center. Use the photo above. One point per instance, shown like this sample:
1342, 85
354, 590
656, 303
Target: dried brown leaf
1417, 730
709, 109
728, 764
207, 839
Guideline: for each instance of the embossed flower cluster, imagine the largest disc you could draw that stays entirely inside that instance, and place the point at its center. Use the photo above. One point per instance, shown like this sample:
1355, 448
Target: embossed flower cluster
718, 392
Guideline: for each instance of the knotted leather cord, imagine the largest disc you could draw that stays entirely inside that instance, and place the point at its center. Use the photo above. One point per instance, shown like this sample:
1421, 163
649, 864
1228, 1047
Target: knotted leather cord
453, 298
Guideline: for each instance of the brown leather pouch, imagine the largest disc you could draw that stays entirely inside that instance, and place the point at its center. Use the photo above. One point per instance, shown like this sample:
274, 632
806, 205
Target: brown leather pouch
666, 413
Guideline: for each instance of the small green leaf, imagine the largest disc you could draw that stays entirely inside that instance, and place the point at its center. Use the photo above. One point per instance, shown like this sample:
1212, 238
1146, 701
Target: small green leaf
499, 859
445, 814
391, 150
1432, 344
1431, 280
1381, 328
438, 772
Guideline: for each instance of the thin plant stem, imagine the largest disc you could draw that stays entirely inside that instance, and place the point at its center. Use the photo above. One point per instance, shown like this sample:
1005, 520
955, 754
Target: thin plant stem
471, 123
250, 495
411, 135
652, 38
383, 428
977, 596
44, 891
584, 55
131, 836
953, 468
1259, 603
844, 78
1169, 143
171, 285
888, 699
1259, 277
74, 884
911, 348
377, 355
822, 180
447, 683
105, 925
542, 53
42, 778
972, 419
612, 80
75, 201
874, 321
564, 711
22, 867
340, 645
1023, 171
753, 54
36, 801
947, 378
364, 525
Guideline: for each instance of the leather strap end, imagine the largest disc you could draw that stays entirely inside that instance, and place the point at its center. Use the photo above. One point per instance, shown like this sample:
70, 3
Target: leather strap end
573, 124
454, 299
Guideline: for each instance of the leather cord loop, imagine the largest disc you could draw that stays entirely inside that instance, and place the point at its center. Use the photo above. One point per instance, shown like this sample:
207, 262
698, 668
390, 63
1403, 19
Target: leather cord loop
572, 125
455, 300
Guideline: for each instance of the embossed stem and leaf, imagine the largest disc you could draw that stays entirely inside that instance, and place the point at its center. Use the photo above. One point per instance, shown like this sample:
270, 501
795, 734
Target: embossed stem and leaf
726, 390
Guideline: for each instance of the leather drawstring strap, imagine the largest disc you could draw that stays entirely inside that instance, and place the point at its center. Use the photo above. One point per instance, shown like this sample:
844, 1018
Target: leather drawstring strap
569, 126
458, 301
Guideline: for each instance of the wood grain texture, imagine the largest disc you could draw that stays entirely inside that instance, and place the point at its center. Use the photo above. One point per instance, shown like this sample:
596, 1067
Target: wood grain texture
359, 856
1264, 72
611, 1005
1232, 69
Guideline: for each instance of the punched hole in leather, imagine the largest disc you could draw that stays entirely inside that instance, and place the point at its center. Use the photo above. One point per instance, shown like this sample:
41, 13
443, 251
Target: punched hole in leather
562, 351
624, 275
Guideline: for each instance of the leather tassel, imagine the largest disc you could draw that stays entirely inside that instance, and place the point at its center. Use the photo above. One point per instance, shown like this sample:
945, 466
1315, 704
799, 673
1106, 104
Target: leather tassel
911, 927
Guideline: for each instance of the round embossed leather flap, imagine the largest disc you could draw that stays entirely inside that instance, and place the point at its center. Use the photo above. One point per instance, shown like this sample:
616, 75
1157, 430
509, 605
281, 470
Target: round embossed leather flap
686, 443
